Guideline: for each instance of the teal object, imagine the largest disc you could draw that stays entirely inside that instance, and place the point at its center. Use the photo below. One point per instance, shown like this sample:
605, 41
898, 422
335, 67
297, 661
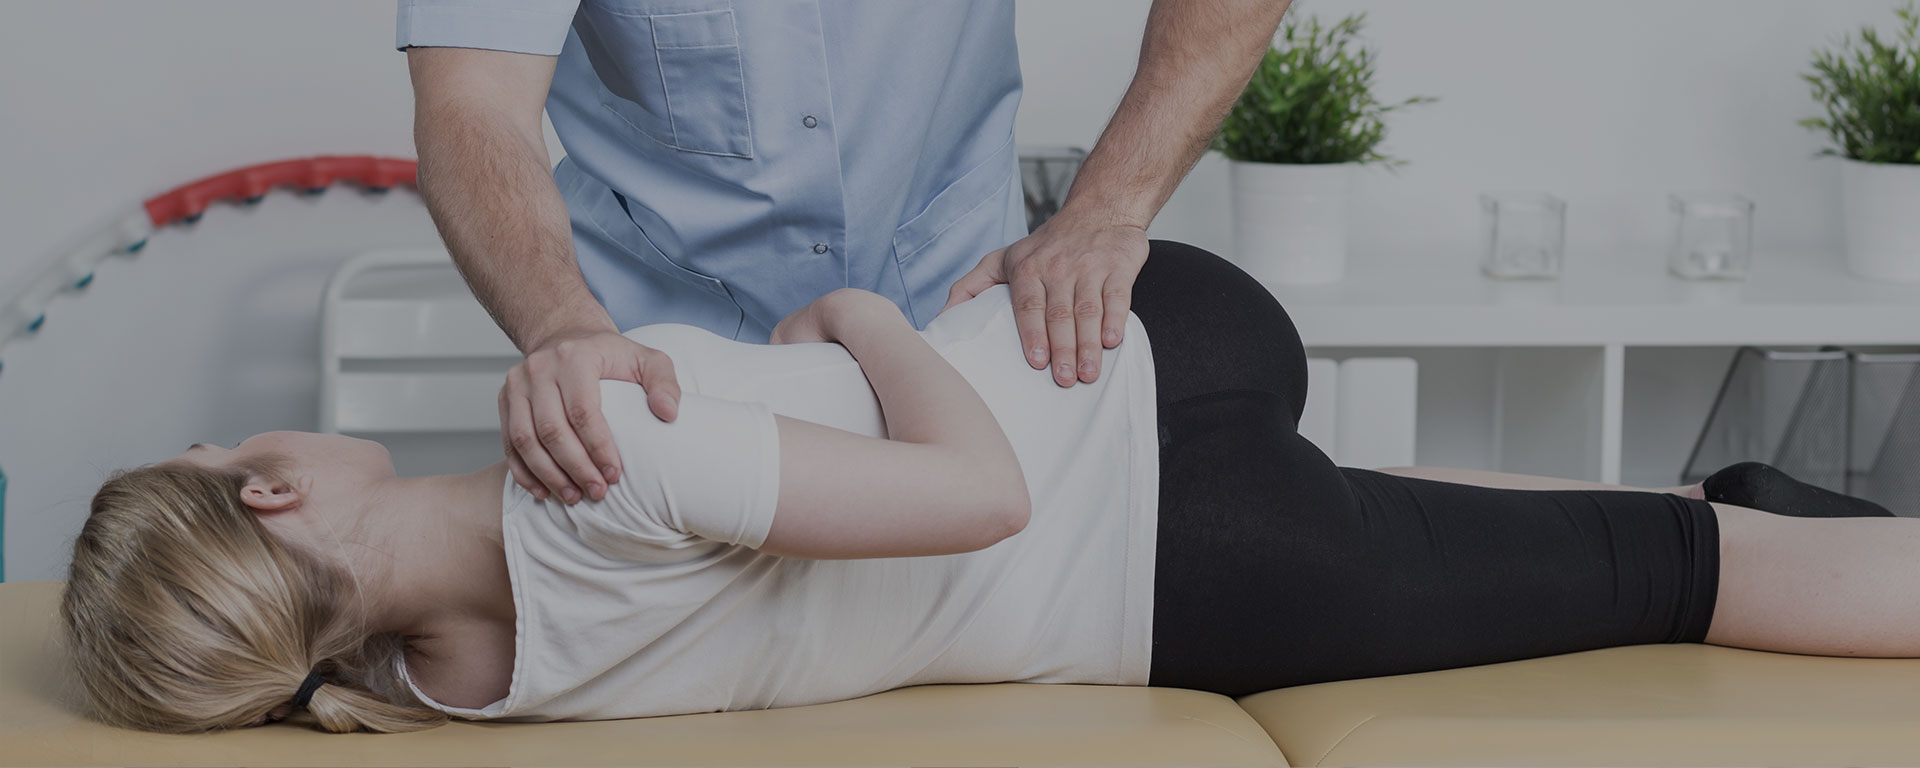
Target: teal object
3, 526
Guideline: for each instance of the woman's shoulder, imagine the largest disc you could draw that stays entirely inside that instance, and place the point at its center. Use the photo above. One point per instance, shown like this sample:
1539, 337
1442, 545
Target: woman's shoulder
470, 668
662, 335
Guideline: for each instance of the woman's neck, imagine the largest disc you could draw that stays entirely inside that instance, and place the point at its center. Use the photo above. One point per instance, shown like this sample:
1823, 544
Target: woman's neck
428, 552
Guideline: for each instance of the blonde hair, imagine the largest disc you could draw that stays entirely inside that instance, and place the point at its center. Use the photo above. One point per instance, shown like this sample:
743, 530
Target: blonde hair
184, 614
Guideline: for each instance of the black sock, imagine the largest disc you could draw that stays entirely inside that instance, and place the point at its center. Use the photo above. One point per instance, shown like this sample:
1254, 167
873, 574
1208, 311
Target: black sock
1758, 486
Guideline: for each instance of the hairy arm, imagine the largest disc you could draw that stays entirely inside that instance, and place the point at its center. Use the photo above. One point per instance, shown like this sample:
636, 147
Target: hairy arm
945, 481
1072, 279
1195, 58
487, 181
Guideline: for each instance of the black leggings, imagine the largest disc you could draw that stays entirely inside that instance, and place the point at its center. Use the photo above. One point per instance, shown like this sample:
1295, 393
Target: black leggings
1277, 568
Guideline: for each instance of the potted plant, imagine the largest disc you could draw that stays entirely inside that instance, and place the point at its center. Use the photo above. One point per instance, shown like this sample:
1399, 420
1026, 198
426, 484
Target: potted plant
1306, 119
1871, 91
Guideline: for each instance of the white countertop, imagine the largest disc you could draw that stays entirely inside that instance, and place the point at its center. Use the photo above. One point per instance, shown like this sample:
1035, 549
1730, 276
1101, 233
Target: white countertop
1788, 299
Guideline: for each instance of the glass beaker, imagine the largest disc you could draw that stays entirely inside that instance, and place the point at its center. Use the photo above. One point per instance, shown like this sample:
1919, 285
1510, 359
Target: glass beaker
1712, 236
1524, 234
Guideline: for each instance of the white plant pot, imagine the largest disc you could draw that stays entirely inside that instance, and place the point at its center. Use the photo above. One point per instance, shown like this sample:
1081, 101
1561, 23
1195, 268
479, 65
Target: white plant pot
1881, 204
1290, 221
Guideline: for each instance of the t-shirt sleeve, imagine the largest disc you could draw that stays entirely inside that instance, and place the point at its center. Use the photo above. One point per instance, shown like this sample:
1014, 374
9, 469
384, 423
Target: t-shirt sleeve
713, 473
521, 26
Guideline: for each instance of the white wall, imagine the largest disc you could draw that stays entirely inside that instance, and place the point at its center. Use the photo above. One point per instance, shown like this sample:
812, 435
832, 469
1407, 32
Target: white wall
210, 333
1611, 105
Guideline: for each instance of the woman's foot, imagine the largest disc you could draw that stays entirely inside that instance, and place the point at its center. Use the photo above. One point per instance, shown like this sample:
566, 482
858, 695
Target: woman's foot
1759, 486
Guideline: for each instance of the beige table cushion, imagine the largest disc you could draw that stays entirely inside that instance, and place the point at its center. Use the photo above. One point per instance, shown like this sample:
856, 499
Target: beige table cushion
1640, 705
1002, 724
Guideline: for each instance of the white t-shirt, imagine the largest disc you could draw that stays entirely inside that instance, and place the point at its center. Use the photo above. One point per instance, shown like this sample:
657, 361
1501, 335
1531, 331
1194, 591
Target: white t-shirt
653, 601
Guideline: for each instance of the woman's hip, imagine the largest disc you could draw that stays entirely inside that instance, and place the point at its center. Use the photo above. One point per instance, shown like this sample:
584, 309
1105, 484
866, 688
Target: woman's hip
1215, 329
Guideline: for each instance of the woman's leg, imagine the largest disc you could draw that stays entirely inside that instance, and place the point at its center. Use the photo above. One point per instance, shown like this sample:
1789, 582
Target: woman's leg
1489, 479
1747, 484
1779, 587
1277, 568
1827, 586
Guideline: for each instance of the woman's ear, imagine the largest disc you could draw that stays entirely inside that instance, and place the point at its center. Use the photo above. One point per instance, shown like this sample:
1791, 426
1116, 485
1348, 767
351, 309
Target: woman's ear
266, 494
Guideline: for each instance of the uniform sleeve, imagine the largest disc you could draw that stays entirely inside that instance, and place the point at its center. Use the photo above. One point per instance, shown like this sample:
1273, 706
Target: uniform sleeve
712, 474
521, 26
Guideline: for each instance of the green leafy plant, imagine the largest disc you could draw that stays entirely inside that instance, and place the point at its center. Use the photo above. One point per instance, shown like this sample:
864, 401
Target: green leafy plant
1871, 90
1311, 100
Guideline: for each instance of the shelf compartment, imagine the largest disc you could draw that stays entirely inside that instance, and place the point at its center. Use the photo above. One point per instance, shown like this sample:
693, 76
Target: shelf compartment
1785, 407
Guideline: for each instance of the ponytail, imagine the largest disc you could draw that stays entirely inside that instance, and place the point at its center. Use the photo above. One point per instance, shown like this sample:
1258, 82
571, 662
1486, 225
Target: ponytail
183, 614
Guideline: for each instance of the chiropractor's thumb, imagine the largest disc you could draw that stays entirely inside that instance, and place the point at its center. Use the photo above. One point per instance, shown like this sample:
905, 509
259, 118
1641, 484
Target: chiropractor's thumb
652, 369
983, 276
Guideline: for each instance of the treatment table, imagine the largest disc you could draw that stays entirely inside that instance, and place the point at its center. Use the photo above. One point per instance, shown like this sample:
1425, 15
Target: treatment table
1641, 705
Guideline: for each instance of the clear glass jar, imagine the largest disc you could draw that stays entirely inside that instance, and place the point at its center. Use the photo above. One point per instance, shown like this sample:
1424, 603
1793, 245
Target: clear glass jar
1524, 234
1712, 236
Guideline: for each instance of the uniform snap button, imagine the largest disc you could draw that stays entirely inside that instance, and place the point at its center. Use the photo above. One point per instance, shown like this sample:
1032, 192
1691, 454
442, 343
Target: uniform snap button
819, 247
809, 121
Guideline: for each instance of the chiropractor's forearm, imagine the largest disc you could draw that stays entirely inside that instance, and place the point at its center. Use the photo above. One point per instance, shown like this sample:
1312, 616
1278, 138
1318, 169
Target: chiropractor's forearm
487, 181
1195, 58
492, 196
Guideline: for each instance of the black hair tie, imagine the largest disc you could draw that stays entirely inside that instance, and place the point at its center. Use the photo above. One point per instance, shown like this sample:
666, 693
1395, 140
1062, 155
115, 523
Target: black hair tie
307, 687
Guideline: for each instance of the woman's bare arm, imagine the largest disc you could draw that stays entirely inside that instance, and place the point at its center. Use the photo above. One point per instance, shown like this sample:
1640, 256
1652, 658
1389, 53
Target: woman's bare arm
947, 481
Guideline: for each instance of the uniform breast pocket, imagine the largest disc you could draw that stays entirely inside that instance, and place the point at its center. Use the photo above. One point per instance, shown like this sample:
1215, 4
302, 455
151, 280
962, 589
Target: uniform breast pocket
671, 70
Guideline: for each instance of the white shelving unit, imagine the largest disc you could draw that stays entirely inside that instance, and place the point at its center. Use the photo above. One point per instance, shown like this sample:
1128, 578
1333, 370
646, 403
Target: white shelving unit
1604, 374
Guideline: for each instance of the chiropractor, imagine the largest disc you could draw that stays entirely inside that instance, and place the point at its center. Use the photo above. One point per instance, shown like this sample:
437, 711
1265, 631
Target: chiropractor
729, 162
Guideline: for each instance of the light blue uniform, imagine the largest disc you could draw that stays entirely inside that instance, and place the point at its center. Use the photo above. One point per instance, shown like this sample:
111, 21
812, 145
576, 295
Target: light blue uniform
727, 163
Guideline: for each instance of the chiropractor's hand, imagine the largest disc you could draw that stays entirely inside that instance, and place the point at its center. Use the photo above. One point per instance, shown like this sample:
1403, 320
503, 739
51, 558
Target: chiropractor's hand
1072, 280
558, 443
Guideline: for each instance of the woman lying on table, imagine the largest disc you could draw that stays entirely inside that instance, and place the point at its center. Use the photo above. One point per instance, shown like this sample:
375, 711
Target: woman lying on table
888, 508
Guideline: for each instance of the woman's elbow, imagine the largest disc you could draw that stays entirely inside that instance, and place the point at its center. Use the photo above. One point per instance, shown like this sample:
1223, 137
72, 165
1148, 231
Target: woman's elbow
998, 502
1015, 511
1002, 516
